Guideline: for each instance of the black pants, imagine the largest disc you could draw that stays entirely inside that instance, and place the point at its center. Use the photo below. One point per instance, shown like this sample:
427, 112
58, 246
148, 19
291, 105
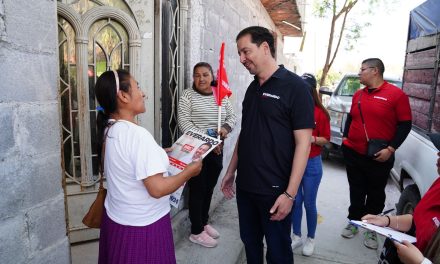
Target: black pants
367, 179
201, 188
255, 223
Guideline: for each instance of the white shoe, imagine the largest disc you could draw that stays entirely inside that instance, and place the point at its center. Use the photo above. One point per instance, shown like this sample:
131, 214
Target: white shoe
309, 247
296, 241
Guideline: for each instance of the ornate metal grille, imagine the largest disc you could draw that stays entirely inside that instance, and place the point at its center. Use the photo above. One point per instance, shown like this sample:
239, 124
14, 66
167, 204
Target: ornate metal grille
68, 99
172, 69
108, 50
94, 36
86, 51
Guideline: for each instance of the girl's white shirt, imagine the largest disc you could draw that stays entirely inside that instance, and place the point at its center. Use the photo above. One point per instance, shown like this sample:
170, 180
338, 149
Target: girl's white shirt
132, 155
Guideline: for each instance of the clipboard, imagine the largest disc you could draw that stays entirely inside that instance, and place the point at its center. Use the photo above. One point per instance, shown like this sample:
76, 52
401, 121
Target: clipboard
385, 231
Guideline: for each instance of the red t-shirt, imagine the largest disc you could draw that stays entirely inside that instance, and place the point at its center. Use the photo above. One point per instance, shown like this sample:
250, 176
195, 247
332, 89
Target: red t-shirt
322, 129
382, 109
427, 215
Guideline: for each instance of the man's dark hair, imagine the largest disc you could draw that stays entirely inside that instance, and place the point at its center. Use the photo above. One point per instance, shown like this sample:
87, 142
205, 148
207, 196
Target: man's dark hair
377, 63
206, 144
258, 36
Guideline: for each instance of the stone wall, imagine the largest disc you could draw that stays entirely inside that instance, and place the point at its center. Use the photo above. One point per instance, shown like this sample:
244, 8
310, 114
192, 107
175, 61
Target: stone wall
32, 214
212, 22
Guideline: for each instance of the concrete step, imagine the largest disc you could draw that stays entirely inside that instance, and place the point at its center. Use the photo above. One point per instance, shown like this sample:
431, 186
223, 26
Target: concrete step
229, 249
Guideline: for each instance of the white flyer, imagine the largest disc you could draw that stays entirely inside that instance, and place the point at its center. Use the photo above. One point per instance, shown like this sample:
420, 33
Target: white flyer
190, 146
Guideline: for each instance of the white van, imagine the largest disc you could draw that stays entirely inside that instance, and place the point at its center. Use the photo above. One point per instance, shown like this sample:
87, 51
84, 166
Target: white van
415, 166
414, 169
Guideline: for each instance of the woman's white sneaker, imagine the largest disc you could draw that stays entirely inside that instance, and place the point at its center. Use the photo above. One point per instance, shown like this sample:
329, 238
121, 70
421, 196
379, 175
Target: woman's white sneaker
309, 247
296, 241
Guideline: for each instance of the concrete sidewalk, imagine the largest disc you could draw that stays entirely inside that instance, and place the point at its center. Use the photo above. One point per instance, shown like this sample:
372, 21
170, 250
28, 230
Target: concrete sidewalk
229, 248
225, 219
333, 202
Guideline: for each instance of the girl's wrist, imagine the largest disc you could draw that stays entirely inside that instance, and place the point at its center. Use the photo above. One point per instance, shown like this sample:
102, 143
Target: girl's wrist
389, 221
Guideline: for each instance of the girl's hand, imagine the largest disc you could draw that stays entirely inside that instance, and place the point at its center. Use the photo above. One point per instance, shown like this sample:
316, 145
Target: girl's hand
194, 167
375, 220
168, 150
408, 253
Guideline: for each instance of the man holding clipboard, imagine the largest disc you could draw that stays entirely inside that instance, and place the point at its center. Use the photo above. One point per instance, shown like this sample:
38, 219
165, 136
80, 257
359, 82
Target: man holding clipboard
425, 222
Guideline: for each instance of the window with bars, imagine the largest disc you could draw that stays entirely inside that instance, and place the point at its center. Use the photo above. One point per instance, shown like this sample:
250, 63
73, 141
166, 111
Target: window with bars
107, 48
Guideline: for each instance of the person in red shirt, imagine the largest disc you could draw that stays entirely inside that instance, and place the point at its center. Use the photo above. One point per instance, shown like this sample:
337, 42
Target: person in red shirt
425, 221
308, 189
379, 111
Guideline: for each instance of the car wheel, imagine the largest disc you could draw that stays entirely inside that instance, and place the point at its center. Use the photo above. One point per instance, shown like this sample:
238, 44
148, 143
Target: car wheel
408, 200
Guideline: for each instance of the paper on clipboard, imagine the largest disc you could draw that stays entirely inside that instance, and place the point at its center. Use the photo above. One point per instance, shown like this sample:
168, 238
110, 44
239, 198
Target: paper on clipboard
388, 232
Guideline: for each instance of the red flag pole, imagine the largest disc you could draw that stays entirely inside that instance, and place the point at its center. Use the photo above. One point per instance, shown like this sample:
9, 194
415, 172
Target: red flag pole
219, 84
222, 88
219, 120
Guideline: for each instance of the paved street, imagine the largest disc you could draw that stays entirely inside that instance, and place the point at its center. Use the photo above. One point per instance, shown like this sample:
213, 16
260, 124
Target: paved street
333, 201
330, 246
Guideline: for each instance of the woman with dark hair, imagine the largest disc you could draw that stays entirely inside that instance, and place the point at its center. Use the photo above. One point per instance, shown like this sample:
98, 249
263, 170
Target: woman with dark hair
136, 225
308, 189
198, 111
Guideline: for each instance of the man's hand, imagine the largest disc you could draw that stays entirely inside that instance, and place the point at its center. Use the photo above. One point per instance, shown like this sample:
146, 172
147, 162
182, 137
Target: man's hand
227, 185
408, 253
281, 207
383, 155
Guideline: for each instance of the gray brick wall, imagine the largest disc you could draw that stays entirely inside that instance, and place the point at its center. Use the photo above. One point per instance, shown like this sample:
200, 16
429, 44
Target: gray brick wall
2, 19
32, 213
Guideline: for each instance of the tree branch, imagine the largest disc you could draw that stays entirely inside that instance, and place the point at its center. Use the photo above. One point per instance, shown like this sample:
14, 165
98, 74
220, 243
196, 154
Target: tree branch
340, 38
344, 11
347, 8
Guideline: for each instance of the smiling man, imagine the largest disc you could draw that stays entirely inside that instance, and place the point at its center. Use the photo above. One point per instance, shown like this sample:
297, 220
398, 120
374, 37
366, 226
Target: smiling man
272, 149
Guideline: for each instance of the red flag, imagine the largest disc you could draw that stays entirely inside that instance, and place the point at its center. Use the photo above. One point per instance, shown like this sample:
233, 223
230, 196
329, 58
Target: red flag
222, 88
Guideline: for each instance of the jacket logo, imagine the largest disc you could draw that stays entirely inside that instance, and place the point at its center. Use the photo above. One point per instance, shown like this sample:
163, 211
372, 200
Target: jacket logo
381, 98
270, 95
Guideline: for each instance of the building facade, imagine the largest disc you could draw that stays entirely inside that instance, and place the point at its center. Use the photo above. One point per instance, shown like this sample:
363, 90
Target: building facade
51, 53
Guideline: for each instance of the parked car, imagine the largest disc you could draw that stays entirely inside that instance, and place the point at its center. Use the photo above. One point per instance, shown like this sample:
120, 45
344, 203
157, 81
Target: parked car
339, 106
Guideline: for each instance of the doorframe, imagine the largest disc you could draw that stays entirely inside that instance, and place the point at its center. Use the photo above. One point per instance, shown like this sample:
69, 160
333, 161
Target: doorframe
88, 185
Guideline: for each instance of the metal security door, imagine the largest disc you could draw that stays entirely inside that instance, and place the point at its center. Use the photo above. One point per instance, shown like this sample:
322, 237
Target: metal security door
173, 24
93, 36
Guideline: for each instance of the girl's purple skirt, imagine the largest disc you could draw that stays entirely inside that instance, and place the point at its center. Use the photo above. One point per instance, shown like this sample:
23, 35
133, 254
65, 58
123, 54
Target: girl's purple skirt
136, 244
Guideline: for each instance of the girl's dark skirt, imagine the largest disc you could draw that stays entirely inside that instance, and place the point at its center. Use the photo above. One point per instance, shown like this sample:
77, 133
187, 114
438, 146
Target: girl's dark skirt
152, 244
